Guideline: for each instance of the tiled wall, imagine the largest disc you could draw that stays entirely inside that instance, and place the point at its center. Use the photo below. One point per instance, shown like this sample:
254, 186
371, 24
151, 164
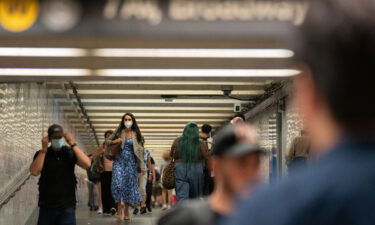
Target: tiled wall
291, 127
26, 111
266, 124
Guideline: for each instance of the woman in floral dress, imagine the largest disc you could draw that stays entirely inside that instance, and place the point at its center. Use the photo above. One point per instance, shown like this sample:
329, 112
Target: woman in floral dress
125, 187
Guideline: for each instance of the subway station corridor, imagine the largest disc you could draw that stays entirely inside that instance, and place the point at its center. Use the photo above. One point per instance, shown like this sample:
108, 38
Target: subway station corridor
144, 57
172, 112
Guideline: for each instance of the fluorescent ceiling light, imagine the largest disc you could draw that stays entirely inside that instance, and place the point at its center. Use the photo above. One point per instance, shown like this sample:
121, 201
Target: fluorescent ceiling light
43, 72
149, 130
168, 115
135, 108
42, 52
170, 82
192, 101
192, 53
162, 92
182, 125
171, 120
229, 73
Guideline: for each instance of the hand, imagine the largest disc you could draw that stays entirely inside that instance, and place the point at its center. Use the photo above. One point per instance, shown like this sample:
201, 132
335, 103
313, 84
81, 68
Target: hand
143, 171
69, 138
45, 142
118, 140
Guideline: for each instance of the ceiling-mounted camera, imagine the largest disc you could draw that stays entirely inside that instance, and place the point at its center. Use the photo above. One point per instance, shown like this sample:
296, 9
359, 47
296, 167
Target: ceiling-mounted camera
227, 90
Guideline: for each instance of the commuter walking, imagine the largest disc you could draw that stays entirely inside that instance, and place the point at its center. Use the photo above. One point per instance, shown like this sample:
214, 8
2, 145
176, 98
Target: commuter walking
236, 162
208, 174
109, 205
206, 136
96, 171
189, 154
142, 182
167, 194
151, 181
57, 183
92, 179
298, 152
125, 188
334, 93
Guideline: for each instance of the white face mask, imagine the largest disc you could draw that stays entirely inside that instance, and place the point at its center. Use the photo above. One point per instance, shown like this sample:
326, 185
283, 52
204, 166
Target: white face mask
128, 124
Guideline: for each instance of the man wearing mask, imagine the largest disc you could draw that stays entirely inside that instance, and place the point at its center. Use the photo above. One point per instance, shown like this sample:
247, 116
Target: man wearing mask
236, 164
57, 183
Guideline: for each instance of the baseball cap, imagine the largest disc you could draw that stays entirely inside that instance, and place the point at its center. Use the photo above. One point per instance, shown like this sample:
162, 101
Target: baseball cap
236, 140
55, 131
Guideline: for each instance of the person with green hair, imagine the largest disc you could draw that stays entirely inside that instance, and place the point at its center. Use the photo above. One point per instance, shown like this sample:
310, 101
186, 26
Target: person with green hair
190, 154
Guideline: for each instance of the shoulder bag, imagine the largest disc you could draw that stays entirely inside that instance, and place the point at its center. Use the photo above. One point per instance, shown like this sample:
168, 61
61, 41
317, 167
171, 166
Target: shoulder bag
169, 176
112, 151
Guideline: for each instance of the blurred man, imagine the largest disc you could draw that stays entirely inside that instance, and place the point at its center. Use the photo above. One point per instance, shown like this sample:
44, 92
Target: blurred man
206, 136
298, 152
235, 161
57, 183
208, 173
336, 51
238, 118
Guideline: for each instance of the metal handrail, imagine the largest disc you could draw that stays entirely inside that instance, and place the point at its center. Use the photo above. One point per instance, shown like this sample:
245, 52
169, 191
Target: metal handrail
11, 190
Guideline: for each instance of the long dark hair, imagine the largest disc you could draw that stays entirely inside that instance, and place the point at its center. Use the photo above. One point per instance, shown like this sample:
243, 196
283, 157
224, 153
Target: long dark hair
189, 144
135, 128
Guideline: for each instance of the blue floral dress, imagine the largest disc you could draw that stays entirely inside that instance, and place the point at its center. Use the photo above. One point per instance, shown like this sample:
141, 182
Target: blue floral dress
124, 179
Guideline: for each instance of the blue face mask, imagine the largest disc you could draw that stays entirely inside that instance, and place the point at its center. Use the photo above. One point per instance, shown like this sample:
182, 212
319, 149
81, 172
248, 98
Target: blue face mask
57, 143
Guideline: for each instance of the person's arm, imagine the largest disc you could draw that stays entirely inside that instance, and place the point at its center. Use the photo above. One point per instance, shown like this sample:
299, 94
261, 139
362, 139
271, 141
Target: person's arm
153, 171
37, 165
173, 148
98, 152
112, 140
204, 150
83, 160
149, 165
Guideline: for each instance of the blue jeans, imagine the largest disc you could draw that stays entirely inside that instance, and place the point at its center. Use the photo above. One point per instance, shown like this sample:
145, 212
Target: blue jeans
189, 180
57, 217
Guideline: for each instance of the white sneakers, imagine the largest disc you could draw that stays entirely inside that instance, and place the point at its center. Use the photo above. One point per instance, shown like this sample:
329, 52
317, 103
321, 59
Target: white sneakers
166, 207
100, 211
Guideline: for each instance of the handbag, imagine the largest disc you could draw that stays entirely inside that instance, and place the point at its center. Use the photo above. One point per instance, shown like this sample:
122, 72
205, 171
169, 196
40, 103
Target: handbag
169, 175
112, 151
98, 164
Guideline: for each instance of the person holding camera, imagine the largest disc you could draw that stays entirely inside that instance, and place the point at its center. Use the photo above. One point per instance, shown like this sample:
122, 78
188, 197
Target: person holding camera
57, 184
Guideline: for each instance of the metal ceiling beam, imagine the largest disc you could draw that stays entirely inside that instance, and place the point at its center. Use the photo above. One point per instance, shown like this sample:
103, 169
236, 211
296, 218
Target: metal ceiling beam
78, 98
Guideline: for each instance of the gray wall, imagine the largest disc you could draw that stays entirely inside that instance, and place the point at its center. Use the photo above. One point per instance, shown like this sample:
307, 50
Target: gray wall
26, 111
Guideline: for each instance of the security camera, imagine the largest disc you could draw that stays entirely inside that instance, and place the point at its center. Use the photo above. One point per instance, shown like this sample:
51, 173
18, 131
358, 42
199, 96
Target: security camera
237, 107
227, 90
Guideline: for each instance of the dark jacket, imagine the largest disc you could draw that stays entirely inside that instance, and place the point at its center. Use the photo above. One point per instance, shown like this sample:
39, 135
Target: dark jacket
338, 189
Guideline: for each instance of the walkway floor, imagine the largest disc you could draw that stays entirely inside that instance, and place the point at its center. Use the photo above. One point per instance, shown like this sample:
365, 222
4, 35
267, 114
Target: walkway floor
85, 217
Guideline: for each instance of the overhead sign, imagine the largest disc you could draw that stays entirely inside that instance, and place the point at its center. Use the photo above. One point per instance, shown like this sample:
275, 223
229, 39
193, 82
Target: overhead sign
148, 16
18, 15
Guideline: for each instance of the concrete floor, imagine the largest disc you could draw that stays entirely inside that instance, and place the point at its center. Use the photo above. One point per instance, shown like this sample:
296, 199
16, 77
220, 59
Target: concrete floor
85, 217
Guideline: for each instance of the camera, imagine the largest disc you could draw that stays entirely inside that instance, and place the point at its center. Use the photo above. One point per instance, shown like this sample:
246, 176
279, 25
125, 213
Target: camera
227, 90
237, 107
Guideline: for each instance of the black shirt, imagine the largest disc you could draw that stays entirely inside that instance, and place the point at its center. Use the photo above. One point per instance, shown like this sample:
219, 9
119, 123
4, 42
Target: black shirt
197, 212
57, 183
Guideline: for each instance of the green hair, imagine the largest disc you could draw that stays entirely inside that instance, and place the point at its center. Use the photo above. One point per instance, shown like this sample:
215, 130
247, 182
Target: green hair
189, 144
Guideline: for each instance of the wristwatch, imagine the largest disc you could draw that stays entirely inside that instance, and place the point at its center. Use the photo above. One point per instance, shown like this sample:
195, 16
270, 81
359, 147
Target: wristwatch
73, 145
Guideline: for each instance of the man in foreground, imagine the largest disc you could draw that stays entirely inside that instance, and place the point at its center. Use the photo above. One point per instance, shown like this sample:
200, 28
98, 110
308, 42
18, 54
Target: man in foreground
336, 53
